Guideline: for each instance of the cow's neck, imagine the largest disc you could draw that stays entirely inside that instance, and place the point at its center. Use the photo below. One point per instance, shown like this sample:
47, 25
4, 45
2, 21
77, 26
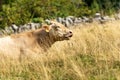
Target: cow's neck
43, 38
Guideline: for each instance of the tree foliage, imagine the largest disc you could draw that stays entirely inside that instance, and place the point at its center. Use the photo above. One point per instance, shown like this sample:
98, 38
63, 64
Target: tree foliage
23, 11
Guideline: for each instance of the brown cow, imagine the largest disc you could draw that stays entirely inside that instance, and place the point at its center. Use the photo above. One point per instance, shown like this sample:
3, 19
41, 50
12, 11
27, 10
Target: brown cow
34, 41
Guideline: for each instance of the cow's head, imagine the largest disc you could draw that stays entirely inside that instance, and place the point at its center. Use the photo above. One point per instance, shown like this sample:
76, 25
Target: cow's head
58, 31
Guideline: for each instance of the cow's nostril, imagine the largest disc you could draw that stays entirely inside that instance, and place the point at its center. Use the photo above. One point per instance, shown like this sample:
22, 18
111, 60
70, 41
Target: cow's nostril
70, 34
70, 31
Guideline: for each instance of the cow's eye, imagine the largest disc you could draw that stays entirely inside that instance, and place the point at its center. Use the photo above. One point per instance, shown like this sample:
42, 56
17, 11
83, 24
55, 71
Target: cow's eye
56, 27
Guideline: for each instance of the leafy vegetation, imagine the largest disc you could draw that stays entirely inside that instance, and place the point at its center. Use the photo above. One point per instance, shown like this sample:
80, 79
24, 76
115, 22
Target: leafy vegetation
23, 11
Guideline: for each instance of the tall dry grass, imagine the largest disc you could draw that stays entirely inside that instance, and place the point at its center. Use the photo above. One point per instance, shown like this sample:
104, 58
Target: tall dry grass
93, 53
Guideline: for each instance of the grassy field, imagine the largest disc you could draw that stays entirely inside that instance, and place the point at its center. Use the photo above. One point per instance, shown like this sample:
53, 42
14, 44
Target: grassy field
93, 53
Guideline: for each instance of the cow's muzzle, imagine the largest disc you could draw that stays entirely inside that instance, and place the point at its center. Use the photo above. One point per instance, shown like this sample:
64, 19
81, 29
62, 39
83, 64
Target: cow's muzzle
68, 35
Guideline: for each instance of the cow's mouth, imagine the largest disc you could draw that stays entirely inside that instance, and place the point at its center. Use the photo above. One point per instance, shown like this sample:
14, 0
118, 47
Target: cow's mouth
68, 36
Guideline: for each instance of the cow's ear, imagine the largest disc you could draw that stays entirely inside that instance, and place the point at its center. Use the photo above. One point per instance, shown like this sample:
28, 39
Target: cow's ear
47, 28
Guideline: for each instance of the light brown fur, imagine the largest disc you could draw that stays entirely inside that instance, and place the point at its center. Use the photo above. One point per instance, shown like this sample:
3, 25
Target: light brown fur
33, 41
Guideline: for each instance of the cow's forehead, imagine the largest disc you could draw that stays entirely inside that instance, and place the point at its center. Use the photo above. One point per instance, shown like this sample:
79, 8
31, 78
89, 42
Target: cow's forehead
58, 24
